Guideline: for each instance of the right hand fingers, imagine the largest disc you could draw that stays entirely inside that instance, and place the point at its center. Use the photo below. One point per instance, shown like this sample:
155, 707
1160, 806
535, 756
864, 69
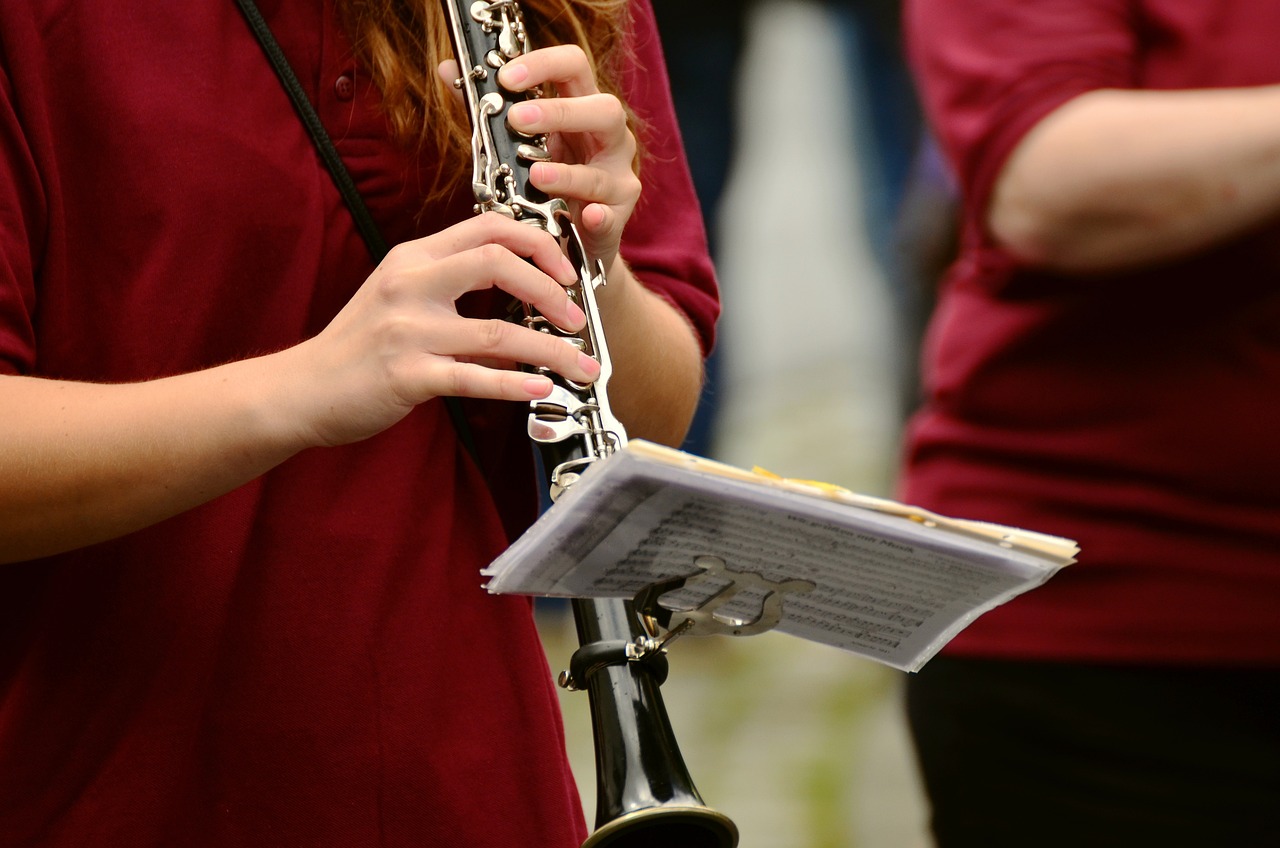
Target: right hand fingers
484, 343
401, 341
485, 252
417, 286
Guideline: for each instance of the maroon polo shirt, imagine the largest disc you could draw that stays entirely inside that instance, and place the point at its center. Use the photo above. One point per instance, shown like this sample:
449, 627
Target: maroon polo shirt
1135, 412
309, 660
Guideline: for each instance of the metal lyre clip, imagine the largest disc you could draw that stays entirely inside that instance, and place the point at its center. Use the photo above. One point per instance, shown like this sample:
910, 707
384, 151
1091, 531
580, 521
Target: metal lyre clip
709, 616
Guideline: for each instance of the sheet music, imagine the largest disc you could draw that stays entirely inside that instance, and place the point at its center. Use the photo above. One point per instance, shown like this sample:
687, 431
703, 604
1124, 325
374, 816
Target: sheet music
872, 582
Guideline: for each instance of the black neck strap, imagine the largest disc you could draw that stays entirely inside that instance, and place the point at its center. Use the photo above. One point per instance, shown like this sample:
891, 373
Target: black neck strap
341, 176
328, 153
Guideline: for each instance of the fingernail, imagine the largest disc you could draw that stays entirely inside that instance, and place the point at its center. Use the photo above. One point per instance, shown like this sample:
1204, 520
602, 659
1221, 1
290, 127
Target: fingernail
525, 113
514, 73
589, 365
544, 174
567, 267
537, 387
577, 316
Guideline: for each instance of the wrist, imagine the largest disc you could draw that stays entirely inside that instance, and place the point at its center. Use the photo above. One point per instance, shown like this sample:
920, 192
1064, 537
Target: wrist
265, 394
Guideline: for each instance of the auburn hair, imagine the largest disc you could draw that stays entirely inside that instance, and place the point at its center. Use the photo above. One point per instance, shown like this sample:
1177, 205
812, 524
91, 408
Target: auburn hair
401, 43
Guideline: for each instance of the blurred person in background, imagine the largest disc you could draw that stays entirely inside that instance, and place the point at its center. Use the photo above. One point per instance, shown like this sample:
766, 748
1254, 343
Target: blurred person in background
1103, 364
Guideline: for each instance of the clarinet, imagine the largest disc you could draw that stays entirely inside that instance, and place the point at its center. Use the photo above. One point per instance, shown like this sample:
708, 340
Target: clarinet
644, 792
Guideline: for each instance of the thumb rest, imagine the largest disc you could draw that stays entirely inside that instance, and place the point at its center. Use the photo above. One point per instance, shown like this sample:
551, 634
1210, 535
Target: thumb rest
644, 793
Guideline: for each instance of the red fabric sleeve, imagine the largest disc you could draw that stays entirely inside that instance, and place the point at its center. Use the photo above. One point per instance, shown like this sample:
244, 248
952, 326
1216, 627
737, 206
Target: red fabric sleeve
990, 70
665, 243
22, 218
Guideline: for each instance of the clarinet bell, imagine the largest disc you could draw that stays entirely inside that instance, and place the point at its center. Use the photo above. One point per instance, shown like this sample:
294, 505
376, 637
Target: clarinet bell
676, 827
644, 794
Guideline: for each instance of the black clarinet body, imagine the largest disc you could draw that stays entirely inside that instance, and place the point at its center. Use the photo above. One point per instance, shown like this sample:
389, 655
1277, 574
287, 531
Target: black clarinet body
644, 793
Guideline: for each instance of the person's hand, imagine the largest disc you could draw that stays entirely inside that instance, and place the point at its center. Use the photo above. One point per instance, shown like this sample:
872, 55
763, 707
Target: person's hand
592, 147
401, 341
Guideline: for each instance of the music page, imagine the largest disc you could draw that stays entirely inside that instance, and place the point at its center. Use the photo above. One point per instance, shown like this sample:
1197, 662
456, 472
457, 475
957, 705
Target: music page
887, 584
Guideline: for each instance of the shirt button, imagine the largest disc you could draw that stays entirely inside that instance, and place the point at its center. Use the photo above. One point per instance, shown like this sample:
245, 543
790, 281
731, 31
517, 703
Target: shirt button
345, 87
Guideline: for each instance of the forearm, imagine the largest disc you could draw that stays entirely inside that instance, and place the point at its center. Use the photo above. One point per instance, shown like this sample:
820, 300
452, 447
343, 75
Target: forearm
656, 358
1115, 179
81, 463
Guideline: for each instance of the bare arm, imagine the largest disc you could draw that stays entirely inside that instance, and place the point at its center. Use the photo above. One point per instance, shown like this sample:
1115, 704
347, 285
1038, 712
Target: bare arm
656, 358
80, 463
1118, 178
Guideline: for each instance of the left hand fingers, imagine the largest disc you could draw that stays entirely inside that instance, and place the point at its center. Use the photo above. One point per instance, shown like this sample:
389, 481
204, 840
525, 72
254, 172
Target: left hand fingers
598, 116
587, 184
589, 135
564, 66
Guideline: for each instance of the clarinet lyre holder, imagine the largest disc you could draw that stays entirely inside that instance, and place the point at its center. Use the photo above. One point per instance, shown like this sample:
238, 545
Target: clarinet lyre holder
644, 794
740, 603
640, 641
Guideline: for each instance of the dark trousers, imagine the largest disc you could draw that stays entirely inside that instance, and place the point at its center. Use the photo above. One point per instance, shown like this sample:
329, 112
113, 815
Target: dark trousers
1042, 754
